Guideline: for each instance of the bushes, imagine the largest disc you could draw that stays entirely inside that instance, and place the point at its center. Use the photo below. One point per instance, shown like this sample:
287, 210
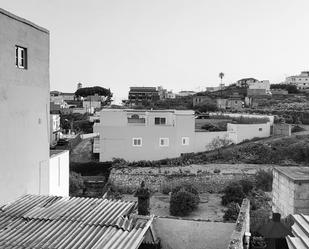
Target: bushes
264, 180
233, 193
76, 184
231, 213
184, 200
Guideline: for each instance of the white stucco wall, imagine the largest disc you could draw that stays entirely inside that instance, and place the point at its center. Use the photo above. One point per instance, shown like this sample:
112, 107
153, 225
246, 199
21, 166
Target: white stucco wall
24, 109
58, 178
203, 139
241, 132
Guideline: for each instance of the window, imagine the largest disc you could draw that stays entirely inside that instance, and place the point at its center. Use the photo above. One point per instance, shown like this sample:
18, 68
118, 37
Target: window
185, 141
137, 142
260, 129
21, 57
160, 121
164, 142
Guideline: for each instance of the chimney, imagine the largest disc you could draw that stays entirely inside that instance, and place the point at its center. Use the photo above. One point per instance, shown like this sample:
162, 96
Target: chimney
143, 196
276, 217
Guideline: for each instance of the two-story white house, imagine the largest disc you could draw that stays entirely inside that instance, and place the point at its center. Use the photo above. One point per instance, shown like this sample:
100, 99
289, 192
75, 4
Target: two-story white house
145, 135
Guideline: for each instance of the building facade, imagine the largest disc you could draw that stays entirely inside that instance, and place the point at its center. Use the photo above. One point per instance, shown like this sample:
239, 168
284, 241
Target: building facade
301, 81
54, 128
137, 95
144, 135
157, 134
24, 106
290, 191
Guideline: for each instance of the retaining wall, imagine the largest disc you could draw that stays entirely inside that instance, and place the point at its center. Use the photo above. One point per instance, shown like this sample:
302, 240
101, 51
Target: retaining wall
206, 178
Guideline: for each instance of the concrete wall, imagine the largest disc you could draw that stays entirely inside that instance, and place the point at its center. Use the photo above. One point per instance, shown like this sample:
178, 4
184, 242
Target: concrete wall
203, 139
59, 174
24, 108
242, 227
241, 132
283, 194
184, 234
282, 129
289, 196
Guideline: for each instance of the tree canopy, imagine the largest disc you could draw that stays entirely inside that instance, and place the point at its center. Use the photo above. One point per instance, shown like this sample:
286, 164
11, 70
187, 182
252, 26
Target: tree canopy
87, 91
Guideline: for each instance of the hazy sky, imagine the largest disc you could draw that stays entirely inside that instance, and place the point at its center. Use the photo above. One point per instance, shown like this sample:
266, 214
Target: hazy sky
180, 44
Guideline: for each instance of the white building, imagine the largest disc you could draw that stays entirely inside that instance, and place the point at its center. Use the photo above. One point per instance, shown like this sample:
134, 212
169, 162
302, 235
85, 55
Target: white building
157, 134
54, 128
24, 108
301, 81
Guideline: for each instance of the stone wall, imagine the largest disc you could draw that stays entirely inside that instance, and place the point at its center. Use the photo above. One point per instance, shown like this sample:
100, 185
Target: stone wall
282, 129
242, 227
207, 178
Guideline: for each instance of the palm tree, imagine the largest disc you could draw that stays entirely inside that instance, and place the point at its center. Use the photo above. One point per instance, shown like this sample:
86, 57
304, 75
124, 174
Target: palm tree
221, 75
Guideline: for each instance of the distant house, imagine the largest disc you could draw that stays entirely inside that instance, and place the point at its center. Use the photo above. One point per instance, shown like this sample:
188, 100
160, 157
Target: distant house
290, 193
92, 102
55, 222
245, 82
185, 93
234, 103
139, 94
202, 99
54, 128
301, 81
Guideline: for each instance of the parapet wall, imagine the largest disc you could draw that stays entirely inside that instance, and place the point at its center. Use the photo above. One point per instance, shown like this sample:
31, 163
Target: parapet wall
206, 178
242, 226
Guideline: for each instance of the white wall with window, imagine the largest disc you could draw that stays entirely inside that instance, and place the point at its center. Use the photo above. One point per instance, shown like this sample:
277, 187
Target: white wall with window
21, 57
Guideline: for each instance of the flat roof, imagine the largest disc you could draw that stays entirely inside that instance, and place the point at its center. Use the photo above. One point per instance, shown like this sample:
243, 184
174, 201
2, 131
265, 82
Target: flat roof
297, 174
22, 20
56, 152
153, 111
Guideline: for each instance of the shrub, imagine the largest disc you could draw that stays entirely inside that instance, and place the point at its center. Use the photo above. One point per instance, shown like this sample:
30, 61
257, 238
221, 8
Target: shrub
187, 187
264, 180
183, 202
233, 193
166, 189
76, 184
297, 128
231, 213
247, 185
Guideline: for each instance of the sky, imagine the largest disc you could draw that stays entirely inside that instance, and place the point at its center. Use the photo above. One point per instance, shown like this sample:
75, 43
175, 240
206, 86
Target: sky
179, 44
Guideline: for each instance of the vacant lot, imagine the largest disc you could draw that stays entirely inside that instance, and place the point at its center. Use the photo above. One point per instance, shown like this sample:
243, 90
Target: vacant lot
210, 207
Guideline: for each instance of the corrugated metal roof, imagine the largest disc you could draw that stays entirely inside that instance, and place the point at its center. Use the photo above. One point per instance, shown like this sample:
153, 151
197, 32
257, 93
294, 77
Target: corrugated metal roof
58, 222
300, 230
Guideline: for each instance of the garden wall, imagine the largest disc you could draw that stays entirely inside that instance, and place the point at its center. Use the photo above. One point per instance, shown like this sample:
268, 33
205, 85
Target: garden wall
206, 178
183, 234
242, 226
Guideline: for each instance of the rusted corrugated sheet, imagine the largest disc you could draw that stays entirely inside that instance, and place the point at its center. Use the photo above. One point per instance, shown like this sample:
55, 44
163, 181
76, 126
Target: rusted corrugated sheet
58, 222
